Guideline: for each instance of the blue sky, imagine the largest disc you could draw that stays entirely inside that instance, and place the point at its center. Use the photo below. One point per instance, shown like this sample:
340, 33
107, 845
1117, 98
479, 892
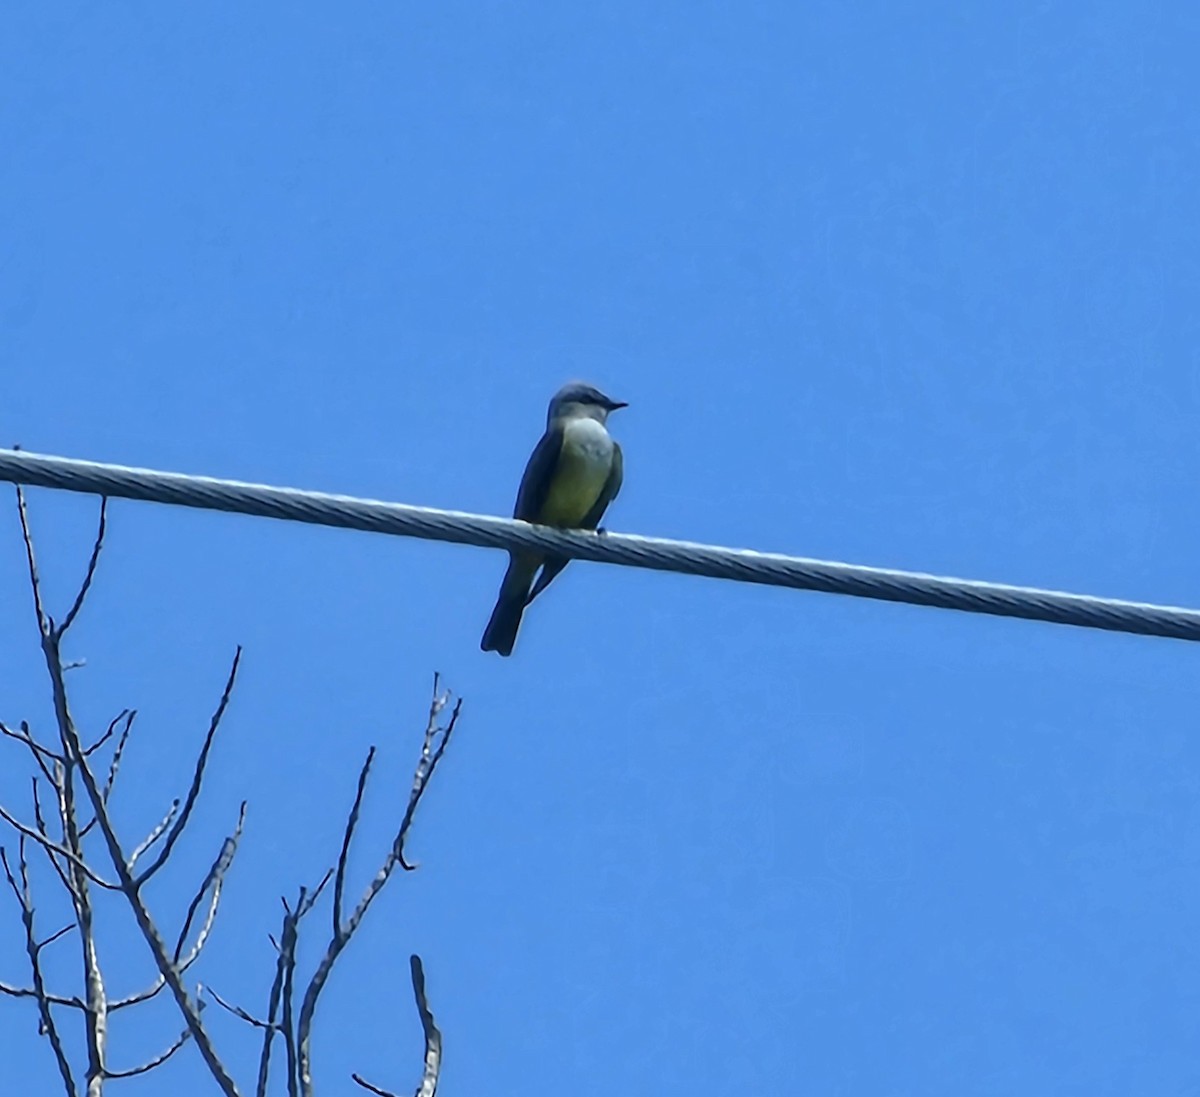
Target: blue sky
904, 285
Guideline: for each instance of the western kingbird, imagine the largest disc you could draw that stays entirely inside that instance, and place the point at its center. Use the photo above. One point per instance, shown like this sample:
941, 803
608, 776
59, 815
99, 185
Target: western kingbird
574, 473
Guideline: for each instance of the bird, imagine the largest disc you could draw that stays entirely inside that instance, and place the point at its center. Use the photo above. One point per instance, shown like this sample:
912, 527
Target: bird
574, 473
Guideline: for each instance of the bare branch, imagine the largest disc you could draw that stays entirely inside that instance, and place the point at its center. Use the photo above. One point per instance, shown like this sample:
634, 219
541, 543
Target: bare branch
52, 846
287, 964
39, 752
437, 737
197, 777
211, 885
108, 732
80, 874
33, 951
352, 822
157, 1061
433, 1035
55, 936
282, 987
160, 828
74, 760
237, 1011
433, 1039
141, 996
44, 622
129, 885
372, 1088
128, 716
307, 903
40, 819
118, 754
31, 992
73, 612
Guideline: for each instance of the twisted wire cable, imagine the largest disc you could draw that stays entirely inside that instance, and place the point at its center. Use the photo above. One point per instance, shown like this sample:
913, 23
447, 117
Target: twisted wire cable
689, 558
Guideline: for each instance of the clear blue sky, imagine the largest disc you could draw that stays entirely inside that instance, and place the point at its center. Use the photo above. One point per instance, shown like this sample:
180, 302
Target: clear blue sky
912, 285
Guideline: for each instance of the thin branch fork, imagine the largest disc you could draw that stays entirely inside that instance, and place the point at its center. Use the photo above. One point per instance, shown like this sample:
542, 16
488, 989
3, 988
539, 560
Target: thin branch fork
131, 885
125, 714
40, 752
75, 760
33, 950
61, 769
211, 886
280, 1017
53, 847
40, 819
197, 777
437, 738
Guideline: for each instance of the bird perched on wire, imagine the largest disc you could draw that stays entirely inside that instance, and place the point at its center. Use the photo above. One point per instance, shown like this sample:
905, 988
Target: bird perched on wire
574, 473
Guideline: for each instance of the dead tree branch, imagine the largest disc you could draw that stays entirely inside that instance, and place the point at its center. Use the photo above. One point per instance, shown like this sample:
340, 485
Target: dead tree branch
437, 738
282, 1018
71, 763
86, 585
433, 1040
33, 950
150, 1064
197, 776
72, 770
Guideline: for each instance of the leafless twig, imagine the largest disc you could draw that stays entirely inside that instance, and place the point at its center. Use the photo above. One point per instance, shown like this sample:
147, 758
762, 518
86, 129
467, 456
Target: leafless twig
128, 716
56, 935
52, 846
160, 828
77, 875
69, 771
372, 1088
131, 885
33, 950
44, 623
433, 1039
40, 819
283, 990
237, 1011
197, 777
157, 1061
211, 886
119, 753
339, 883
73, 612
437, 738
31, 992
39, 751
433, 1035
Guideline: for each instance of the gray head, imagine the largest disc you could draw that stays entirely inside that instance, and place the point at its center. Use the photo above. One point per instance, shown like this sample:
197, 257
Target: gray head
577, 399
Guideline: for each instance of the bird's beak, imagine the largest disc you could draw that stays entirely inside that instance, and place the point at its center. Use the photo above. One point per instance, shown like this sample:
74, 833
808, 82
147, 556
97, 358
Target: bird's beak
613, 405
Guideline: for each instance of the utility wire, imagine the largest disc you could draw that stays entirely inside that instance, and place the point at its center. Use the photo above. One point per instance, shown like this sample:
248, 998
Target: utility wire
610, 548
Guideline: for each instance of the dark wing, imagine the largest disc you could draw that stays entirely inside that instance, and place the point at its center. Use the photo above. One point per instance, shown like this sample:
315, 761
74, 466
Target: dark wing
612, 485
539, 473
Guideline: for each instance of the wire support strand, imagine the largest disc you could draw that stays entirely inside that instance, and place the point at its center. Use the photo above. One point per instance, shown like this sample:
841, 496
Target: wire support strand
740, 565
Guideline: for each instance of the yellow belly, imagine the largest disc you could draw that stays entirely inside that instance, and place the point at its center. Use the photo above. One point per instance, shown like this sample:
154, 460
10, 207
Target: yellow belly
582, 472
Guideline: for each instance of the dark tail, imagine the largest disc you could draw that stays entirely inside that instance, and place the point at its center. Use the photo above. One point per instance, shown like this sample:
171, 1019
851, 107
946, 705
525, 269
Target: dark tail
501, 631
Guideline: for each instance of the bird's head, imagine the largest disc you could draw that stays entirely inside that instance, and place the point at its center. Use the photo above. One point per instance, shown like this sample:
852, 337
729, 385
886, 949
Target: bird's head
577, 399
